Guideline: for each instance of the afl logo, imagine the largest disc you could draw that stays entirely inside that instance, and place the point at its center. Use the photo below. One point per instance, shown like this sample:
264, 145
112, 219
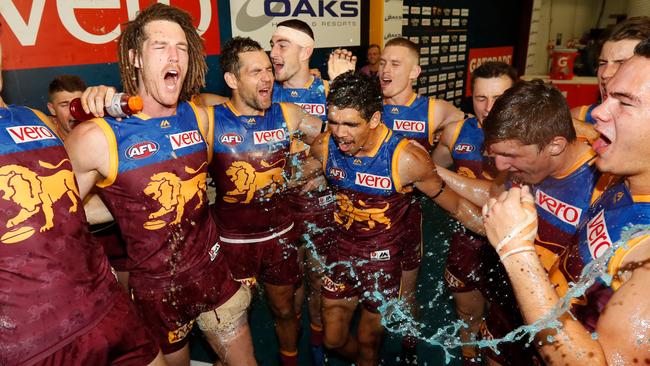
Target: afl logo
141, 150
464, 148
230, 139
337, 173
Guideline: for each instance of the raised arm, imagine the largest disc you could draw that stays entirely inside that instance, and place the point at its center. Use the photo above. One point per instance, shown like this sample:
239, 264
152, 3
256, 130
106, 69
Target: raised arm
511, 225
445, 114
442, 153
89, 153
477, 191
208, 99
340, 61
308, 126
416, 168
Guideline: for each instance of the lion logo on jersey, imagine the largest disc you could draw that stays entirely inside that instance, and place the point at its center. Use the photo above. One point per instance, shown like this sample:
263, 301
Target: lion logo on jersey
247, 180
34, 194
173, 194
467, 172
348, 213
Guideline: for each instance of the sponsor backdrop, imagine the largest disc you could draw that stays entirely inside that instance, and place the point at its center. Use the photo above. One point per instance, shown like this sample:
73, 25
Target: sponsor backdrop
45, 38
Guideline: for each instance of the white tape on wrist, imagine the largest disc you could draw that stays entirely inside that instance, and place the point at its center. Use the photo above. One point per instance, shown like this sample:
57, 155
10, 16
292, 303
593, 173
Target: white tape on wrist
517, 230
516, 251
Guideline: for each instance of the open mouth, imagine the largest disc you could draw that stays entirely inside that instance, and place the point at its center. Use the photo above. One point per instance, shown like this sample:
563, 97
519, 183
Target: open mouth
265, 92
277, 67
343, 145
171, 79
601, 144
385, 82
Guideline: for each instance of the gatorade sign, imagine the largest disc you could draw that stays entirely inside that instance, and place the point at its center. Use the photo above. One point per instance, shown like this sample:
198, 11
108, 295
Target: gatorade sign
78, 32
477, 56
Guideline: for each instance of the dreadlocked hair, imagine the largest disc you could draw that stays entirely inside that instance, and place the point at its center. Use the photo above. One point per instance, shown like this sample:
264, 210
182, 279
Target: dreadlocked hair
133, 37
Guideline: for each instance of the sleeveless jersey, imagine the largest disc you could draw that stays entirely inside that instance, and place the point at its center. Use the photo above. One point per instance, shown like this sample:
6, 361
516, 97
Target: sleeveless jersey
561, 203
371, 211
413, 120
610, 218
467, 151
585, 113
250, 167
55, 281
156, 190
311, 98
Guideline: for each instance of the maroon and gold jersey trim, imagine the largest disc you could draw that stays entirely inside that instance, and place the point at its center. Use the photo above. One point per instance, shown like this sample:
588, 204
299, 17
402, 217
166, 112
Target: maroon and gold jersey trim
614, 265
395, 164
431, 121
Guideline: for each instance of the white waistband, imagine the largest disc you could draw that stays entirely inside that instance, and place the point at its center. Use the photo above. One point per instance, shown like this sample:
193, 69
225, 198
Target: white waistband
256, 240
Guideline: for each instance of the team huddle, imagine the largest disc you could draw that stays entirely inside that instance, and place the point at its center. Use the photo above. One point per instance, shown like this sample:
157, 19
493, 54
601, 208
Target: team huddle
318, 189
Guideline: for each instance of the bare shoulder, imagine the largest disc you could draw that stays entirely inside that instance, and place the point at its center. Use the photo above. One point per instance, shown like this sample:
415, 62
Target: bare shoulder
85, 141
448, 133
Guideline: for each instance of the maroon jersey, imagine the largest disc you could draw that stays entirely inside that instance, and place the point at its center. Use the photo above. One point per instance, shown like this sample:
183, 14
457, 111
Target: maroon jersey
55, 281
250, 167
156, 191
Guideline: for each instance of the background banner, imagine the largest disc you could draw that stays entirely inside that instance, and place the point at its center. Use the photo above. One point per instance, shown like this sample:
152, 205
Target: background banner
335, 23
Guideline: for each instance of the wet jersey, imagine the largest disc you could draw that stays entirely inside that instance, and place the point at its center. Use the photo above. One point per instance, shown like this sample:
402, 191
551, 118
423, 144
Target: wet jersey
610, 218
311, 98
156, 190
413, 120
585, 113
467, 150
561, 203
54, 278
371, 211
250, 168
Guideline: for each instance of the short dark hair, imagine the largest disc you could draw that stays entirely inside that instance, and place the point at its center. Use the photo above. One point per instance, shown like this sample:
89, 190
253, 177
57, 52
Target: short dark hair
374, 45
357, 91
69, 83
643, 48
298, 25
405, 42
229, 59
632, 28
530, 112
493, 69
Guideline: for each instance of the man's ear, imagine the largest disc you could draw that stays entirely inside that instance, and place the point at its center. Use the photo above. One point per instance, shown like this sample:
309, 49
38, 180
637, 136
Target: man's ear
230, 79
375, 120
50, 107
415, 72
306, 53
134, 59
557, 145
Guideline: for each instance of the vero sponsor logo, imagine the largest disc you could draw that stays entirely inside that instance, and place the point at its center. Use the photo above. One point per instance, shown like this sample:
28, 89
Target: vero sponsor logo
185, 139
562, 210
269, 136
313, 108
142, 150
22, 134
597, 235
373, 181
409, 126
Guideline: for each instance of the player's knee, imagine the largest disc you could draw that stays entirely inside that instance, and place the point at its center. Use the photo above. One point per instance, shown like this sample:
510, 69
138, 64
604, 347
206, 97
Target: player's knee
226, 320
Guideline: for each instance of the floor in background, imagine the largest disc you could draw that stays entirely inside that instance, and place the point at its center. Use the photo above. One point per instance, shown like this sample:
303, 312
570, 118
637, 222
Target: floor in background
438, 309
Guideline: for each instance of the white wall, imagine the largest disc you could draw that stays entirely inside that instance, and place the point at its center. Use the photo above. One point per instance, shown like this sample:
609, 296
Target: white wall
572, 18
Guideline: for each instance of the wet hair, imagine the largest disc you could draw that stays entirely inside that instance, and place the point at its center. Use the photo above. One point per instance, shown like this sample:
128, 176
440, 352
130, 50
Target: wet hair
404, 42
493, 69
637, 28
68, 83
298, 25
134, 35
229, 59
643, 48
530, 112
357, 91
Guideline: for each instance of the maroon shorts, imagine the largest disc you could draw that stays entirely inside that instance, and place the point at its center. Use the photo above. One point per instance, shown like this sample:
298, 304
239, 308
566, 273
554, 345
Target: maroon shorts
120, 338
374, 278
313, 216
109, 236
500, 320
412, 239
465, 264
272, 259
170, 311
